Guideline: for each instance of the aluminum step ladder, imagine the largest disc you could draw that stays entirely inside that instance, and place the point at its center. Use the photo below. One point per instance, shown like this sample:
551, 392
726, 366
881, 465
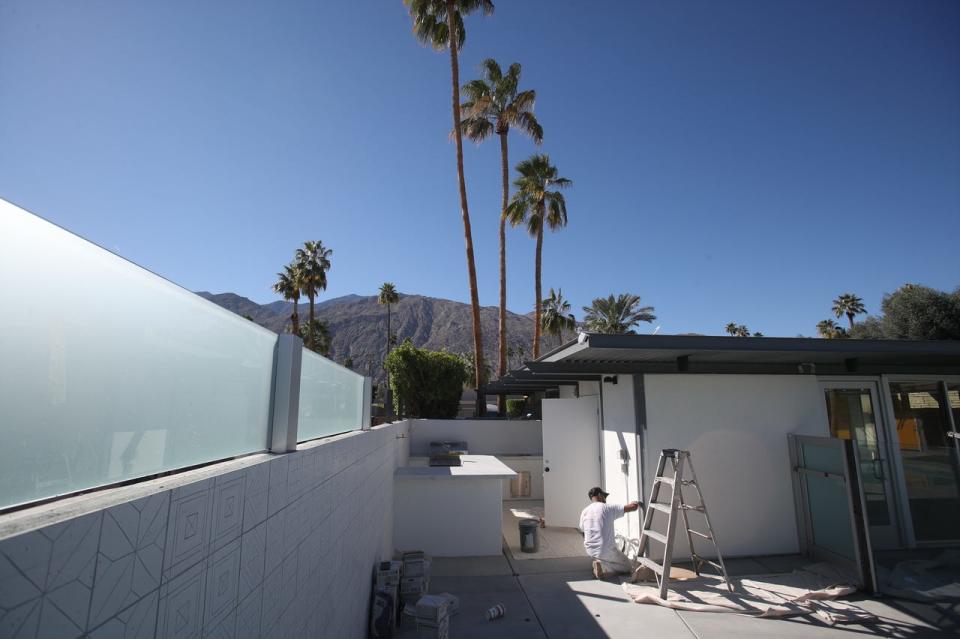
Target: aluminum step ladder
679, 460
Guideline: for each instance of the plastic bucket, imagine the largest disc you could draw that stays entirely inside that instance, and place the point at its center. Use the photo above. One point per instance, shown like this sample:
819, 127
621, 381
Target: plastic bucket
529, 539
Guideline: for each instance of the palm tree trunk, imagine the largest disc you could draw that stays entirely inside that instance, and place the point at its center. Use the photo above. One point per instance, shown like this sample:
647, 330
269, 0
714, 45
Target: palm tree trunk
505, 171
850, 317
388, 401
465, 211
295, 318
310, 325
536, 275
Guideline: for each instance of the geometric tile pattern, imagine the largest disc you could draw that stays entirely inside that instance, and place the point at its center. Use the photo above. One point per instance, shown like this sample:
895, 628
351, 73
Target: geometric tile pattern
282, 548
46, 577
130, 560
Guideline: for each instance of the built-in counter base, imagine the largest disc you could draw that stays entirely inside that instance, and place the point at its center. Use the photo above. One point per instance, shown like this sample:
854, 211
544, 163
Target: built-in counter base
450, 511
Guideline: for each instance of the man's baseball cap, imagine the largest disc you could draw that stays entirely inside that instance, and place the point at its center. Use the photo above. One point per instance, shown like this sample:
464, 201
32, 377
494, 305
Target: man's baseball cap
596, 491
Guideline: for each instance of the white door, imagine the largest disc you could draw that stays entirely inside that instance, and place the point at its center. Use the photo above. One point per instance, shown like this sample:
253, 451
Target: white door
571, 457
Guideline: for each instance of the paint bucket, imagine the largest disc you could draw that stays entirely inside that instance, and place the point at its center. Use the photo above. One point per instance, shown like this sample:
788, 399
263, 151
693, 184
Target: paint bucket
496, 612
529, 540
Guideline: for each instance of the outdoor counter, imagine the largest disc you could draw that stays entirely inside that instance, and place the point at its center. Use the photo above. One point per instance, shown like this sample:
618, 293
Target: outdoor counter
450, 511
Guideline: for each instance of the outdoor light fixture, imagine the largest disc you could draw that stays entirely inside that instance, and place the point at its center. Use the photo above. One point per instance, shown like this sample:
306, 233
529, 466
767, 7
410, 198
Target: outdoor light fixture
610, 380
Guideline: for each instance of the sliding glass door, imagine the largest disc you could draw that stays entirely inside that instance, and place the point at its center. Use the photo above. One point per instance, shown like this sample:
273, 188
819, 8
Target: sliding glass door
853, 410
925, 414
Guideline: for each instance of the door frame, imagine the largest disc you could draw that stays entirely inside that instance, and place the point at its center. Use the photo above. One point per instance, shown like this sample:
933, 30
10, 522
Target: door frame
885, 435
909, 535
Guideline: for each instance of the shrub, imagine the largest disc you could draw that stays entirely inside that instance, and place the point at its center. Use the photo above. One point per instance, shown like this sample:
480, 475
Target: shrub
516, 407
425, 384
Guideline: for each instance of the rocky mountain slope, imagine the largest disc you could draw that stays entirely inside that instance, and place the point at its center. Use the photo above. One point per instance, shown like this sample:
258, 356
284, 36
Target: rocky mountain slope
358, 325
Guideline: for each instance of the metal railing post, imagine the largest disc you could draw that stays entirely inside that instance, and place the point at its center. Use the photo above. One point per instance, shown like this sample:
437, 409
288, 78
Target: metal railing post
286, 394
367, 399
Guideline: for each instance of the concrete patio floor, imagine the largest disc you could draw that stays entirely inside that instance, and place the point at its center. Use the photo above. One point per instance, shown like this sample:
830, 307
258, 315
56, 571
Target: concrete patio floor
558, 599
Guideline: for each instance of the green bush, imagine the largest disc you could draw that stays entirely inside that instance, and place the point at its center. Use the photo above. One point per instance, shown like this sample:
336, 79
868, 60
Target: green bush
425, 384
516, 407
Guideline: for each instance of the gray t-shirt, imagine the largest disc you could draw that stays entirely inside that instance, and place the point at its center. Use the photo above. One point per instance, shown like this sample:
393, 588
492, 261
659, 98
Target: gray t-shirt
596, 522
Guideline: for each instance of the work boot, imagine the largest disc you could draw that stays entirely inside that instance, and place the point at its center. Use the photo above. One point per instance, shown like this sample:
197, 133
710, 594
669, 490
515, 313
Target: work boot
598, 569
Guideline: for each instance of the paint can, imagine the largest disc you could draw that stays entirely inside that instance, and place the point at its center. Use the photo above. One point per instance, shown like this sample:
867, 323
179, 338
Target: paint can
496, 612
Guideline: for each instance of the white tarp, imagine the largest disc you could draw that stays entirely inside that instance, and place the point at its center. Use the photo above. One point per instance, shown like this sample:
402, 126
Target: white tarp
811, 591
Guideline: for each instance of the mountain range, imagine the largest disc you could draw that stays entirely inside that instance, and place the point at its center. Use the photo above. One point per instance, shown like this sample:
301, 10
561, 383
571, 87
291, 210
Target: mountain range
358, 326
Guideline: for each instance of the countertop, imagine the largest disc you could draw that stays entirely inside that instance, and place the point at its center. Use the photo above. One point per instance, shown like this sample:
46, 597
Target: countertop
474, 467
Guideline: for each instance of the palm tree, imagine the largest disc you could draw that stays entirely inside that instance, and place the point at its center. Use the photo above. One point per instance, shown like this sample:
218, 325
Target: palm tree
288, 285
536, 205
495, 105
439, 23
388, 295
739, 330
313, 260
731, 329
319, 335
556, 315
850, 305
828, 329
616, 315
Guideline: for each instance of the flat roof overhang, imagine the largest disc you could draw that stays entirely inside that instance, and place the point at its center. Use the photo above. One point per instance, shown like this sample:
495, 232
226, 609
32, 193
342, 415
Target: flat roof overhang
596, 354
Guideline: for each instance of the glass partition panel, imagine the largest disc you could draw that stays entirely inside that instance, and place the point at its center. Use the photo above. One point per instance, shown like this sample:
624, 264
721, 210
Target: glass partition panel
929, 458
331, 398
109, 372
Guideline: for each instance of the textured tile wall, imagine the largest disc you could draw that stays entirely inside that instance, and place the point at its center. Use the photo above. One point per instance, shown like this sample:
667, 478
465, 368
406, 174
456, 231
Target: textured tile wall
283, 548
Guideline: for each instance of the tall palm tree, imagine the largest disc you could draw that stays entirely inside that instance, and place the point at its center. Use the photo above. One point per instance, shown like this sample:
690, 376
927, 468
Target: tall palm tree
439, 23
616, 315
556, 315
313, 259
495, 105
288, 285
850, 305
388, 295
538, 203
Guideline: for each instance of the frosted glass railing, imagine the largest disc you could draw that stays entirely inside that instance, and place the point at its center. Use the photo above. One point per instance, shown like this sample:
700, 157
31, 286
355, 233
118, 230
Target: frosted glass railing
109, 372
331, 398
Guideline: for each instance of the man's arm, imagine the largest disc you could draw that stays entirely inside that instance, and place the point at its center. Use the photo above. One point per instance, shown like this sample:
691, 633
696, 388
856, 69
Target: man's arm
632, 506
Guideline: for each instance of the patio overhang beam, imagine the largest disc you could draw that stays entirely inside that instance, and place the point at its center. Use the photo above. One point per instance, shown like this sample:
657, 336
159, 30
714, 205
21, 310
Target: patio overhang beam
686, 364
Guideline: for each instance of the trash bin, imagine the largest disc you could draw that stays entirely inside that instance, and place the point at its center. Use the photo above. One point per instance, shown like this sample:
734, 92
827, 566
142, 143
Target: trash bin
529, 541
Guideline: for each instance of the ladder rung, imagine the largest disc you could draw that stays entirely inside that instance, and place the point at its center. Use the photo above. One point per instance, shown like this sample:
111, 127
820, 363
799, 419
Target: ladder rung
653, 534
688, 482
664, 508
651, 564
699, 509
701, 560
664, 480
699, 534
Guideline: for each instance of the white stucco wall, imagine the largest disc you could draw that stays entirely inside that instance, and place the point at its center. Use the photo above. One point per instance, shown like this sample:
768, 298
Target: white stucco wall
619, 432
736, 428
483, 436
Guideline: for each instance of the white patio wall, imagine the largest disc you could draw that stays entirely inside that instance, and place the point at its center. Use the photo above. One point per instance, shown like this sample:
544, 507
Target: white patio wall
619, 431
483, 436
267, 545
736, 428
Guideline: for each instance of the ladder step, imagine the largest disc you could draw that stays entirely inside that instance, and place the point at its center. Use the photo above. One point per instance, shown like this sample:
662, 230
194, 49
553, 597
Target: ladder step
699, 534
664, 480
654, 535
664, 508
651, 564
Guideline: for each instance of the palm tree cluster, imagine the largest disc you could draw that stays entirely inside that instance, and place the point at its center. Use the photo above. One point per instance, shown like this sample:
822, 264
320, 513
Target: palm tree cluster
306, 275
845, 305
620, 314
740, 330
495, 105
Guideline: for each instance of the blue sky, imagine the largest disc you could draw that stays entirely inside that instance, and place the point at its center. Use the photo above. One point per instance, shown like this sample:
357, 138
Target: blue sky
734, 161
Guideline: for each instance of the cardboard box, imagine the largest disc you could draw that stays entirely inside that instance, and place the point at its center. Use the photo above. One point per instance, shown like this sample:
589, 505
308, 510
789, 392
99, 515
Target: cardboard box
439, 630
432, 608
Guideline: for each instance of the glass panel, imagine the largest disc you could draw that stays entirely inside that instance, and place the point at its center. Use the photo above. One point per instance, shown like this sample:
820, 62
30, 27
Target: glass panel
828, 459
929, 459
851, 414
830, 513
331, 398
109, 372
